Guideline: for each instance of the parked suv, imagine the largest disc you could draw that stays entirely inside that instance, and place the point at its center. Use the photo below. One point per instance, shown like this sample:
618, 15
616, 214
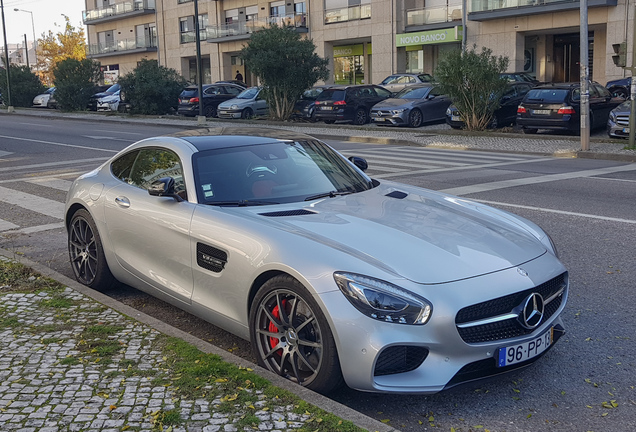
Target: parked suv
349, 103
557, 107
213, 95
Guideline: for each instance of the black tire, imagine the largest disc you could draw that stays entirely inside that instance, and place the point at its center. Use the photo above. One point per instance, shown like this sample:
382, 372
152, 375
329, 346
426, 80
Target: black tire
455, 127
494, 123
298, 344
529, 131
87, 254
247, 113
620, 92
312, 115
209, 111
330, 121
415, 118
360, 117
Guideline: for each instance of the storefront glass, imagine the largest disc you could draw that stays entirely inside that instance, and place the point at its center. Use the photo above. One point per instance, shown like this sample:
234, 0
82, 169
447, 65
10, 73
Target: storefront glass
348, 64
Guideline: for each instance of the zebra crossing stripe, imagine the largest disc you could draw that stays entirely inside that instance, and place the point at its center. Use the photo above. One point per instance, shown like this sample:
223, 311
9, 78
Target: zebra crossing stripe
6, 225
34, 203
55, 183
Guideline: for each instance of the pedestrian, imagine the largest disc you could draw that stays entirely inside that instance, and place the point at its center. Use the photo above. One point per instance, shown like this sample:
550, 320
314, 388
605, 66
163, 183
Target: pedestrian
238, 76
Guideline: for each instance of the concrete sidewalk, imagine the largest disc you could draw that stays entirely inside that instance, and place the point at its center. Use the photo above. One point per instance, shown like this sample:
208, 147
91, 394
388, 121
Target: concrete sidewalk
435, 136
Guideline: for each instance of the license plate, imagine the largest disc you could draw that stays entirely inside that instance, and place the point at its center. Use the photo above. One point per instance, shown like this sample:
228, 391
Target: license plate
223, 112
379, 119
326, 108
625, 130
541, 112
456, 118
519, 353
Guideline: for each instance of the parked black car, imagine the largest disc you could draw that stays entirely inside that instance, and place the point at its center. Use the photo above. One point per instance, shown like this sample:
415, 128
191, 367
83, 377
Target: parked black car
349, 103
620, 87
305, 107
213, 95
100, 93
557, 107
505, 115
237, 82
520, 77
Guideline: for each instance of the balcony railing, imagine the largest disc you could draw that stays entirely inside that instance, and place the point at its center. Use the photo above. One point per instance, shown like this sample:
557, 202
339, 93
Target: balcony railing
347, 14
118, 9
248, 27
492, 5
190, 36
433, 15
121, 46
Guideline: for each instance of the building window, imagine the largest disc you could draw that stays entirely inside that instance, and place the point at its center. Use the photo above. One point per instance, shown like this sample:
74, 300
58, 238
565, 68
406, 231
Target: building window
187, 28
346, 10
231, 16
277, 9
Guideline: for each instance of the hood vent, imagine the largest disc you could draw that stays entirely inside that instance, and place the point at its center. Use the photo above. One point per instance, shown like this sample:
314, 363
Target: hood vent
397, 194
299, 212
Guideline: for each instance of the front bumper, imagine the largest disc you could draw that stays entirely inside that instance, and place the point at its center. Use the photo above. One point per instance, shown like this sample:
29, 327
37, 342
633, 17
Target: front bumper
229, 114
618, 128
439, 356
385, 117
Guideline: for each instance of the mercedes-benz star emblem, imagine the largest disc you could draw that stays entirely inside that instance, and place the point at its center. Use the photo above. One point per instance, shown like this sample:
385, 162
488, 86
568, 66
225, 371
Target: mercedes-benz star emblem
532, 313
522, 272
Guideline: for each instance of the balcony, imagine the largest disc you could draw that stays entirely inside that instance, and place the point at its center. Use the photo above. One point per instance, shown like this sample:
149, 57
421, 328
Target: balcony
483, 10
433, 17
126, 46
119, 10
243, 30
190, 36
352, 13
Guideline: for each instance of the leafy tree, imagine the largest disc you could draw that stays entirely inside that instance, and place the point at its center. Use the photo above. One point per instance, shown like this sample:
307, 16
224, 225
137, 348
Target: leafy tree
53, 48
472, 80
152, 89
25, 85
286, 65
75, 82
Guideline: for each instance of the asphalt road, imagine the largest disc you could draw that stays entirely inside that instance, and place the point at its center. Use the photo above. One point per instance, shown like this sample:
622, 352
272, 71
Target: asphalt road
585, 383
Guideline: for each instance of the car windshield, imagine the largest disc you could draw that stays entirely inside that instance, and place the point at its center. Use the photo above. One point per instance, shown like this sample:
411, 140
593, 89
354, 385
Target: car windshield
113, 88
390, 80
50, 91
547, 95
278, 172
425, 77
413, 93
249, 93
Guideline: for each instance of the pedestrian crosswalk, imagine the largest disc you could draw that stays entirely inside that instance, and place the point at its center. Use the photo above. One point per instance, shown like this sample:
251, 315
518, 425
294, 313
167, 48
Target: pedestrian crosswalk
33, 203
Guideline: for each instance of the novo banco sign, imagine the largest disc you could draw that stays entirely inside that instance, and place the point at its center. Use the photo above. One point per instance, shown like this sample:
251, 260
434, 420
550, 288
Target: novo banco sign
453, 34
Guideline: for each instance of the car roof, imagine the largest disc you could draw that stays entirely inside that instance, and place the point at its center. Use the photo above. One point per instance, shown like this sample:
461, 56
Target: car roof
564, 86
225, 137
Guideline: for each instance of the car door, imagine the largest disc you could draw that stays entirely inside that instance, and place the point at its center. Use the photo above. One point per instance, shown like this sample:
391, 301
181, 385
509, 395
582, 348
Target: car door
434, 108
605, 104
150, 235
260, 104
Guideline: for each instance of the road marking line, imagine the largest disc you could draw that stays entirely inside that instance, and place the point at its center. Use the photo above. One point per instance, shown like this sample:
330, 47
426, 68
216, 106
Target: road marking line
6, 225
34, 203
119, 132
53, 182
50, 164
443, 161
432, 154
477, 166
5, 153
72, 174
485, 187
563, 212
34, 229
59, 144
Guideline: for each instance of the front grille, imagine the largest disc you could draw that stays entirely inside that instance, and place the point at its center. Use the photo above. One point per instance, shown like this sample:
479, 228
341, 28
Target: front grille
622, 120
399, 359
503, 305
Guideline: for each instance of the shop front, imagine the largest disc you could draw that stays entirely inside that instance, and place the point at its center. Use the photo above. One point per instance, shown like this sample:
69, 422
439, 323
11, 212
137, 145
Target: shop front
349, 62
424, 49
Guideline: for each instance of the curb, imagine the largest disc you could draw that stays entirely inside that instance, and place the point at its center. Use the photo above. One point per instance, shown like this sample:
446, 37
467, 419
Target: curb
307, 395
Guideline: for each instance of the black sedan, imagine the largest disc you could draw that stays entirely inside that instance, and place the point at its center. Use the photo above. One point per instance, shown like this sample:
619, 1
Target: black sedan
213, 95
305, 107
349, 103
413, 106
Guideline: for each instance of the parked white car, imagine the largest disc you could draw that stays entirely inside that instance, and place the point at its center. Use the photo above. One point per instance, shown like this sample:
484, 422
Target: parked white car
108, 103
45, 100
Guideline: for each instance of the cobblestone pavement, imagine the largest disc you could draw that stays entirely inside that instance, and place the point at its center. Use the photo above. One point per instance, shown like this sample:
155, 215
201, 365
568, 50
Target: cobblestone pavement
63, 369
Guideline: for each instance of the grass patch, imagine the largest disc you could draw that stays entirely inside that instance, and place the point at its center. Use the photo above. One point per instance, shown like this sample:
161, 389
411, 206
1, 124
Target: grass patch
69, 361
58, 302
249, 421
52, 340
15, 277
9, 322
103, 330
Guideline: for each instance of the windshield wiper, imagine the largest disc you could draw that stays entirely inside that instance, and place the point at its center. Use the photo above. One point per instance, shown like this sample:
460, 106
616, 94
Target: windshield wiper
241, 203
330, 194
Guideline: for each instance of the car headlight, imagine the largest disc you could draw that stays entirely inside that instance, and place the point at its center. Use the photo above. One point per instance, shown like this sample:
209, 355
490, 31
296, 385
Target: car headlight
398, 111
234, 107
382, 300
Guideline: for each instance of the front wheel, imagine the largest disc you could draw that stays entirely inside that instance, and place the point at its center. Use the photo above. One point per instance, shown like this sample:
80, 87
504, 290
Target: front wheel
87, 254
210, 111
360, 117
290, 335
415, 118
247, 113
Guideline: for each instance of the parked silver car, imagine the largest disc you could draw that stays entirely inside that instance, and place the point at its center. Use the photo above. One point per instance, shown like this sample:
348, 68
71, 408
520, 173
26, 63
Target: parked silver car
247, 104
618, 121
396, 82
331, 275
45, 100
413, 106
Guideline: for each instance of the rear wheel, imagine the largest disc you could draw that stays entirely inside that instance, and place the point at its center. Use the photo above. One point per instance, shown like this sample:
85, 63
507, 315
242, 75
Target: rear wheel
330, 121
360, 117
290, 335
210, 111
529, 131
415, 118
620, 92
247, 113
87, 254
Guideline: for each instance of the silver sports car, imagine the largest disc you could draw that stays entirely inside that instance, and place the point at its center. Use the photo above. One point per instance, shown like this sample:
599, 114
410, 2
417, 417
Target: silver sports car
332, 275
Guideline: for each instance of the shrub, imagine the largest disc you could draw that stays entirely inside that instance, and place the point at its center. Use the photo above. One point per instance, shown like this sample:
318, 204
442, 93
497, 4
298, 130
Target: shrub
75, 82
152, 89
25, 85
472, 80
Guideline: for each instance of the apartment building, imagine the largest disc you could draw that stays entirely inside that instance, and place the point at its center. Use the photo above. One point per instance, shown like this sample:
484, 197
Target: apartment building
365, 40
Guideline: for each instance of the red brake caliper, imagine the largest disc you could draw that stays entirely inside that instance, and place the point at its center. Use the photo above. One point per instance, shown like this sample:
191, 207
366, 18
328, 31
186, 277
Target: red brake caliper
272, 327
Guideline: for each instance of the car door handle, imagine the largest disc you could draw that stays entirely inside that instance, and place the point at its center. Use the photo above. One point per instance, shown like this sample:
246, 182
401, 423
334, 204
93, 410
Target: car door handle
122, 202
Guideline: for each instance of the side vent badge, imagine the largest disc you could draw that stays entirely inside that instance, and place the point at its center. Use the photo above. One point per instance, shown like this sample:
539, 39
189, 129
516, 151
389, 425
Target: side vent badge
211, 258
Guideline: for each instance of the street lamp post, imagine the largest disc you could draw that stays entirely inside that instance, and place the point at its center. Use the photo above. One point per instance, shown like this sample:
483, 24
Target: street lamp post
35, 42
6, 56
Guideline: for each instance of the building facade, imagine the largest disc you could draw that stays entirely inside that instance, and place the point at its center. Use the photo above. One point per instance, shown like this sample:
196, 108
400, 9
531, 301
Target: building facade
364, 40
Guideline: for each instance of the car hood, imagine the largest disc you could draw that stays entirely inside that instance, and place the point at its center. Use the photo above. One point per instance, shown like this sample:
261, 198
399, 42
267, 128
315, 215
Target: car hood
239, 102
394, 103
426, 237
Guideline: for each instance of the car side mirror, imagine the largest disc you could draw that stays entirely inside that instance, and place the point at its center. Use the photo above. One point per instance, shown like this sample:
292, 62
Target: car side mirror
361, 163
164, 187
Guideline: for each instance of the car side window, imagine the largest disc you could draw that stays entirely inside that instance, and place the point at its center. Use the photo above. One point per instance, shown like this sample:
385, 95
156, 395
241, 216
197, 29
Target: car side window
594, 92
155, 163
232, 90
122, 166
576, 94
212, 91
369, 92
603, 92
383, 93
435, 92
522, 90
